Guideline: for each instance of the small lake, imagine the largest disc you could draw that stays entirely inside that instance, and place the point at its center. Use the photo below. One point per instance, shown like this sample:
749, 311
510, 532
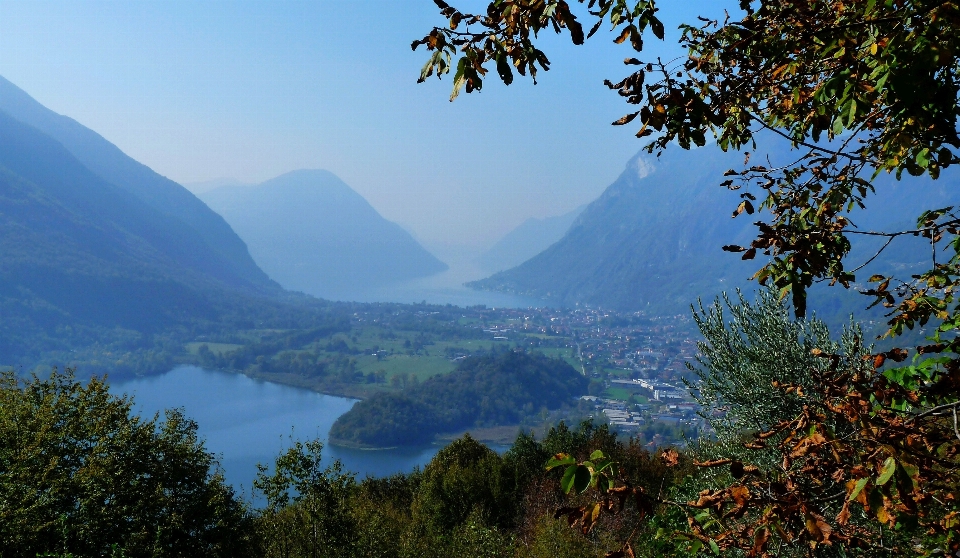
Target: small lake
246, 421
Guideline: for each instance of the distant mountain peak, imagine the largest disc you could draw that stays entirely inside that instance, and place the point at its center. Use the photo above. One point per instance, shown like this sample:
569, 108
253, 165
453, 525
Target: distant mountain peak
313, 233
652, 240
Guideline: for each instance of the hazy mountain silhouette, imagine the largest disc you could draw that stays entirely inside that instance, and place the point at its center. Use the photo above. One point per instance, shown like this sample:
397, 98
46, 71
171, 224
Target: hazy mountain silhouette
220, 250
311, 232
527, 240
652, 241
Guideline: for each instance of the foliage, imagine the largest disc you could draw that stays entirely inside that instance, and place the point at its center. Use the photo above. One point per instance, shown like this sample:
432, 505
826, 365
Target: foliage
748, 346
843, 455
80, 477
483, 391
856, 88
821, 452
307, 504
80, 474
464, 480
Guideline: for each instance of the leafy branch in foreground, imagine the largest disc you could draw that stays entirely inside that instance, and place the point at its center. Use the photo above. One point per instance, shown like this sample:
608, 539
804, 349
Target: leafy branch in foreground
505, 36
856, 88
817, 449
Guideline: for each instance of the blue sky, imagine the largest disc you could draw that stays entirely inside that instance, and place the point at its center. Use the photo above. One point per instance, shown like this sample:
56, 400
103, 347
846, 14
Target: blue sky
249, 90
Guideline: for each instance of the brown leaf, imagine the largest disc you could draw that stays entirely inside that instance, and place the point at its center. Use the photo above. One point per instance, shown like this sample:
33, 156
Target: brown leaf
818, 528
709, 499
738, 469
741, 497
624, 35
714, 463
844, 516
670, 457
625, 119
760, 542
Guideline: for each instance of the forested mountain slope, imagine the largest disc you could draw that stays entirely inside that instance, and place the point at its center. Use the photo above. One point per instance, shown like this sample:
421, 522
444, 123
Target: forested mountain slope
224, 255
88, 264
311, 232
652, 241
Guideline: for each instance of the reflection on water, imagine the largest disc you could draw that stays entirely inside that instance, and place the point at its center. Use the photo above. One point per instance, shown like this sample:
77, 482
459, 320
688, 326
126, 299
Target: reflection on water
248, 421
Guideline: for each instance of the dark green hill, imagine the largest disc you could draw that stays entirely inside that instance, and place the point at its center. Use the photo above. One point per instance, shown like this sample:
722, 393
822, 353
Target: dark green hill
482, 391
652, 241
311, 232
213, 244
87, 264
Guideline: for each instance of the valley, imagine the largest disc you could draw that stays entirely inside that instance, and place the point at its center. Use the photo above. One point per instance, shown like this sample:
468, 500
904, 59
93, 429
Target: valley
371, 349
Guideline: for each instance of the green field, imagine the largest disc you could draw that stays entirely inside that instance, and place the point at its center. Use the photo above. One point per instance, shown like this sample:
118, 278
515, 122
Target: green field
617, 393
420, 366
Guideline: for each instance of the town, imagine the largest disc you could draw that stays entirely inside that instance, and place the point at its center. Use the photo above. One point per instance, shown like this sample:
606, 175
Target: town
638, 364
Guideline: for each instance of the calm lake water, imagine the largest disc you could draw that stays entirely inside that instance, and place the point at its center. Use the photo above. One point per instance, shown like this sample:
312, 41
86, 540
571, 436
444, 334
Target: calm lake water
247, 421
442, 288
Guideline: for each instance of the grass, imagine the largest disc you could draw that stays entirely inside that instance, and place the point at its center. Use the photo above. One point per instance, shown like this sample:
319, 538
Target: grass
617, 393
420, 366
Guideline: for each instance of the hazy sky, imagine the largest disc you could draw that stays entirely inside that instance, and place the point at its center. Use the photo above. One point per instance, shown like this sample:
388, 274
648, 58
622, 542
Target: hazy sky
249, 90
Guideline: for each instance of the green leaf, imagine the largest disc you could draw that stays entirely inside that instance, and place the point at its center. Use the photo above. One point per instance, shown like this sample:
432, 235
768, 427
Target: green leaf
858, 488
714, 547
886, 472
838, 126
657, 27
582, 477
596, 455
566, 483
559, 460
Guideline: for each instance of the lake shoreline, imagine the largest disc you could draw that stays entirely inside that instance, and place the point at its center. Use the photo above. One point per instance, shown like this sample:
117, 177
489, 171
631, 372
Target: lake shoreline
246, 421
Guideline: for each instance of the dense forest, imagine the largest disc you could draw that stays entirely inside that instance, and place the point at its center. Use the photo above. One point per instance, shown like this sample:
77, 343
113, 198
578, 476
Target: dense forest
485, 390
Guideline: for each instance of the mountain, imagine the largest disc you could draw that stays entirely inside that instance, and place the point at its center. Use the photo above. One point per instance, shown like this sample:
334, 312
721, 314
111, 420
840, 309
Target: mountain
652, 241
527, 240
205, 186
86, 262
212, 244
311, 232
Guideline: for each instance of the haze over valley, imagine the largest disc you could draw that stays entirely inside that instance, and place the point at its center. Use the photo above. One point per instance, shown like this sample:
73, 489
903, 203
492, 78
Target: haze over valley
265, 293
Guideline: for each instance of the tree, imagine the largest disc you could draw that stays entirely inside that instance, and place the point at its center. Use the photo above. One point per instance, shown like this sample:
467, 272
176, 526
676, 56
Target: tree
307, 511
856, 88
464, 480
81, 474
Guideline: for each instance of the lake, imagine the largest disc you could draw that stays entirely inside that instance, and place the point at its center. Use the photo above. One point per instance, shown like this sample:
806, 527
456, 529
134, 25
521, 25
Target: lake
442, 288
246, 421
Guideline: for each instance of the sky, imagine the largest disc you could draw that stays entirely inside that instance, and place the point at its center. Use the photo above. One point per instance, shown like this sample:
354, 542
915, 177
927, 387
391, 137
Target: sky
247, 90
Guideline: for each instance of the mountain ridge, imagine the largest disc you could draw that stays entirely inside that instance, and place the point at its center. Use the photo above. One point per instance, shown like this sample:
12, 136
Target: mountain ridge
652, 240
527, 240
226, 251
311, 232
